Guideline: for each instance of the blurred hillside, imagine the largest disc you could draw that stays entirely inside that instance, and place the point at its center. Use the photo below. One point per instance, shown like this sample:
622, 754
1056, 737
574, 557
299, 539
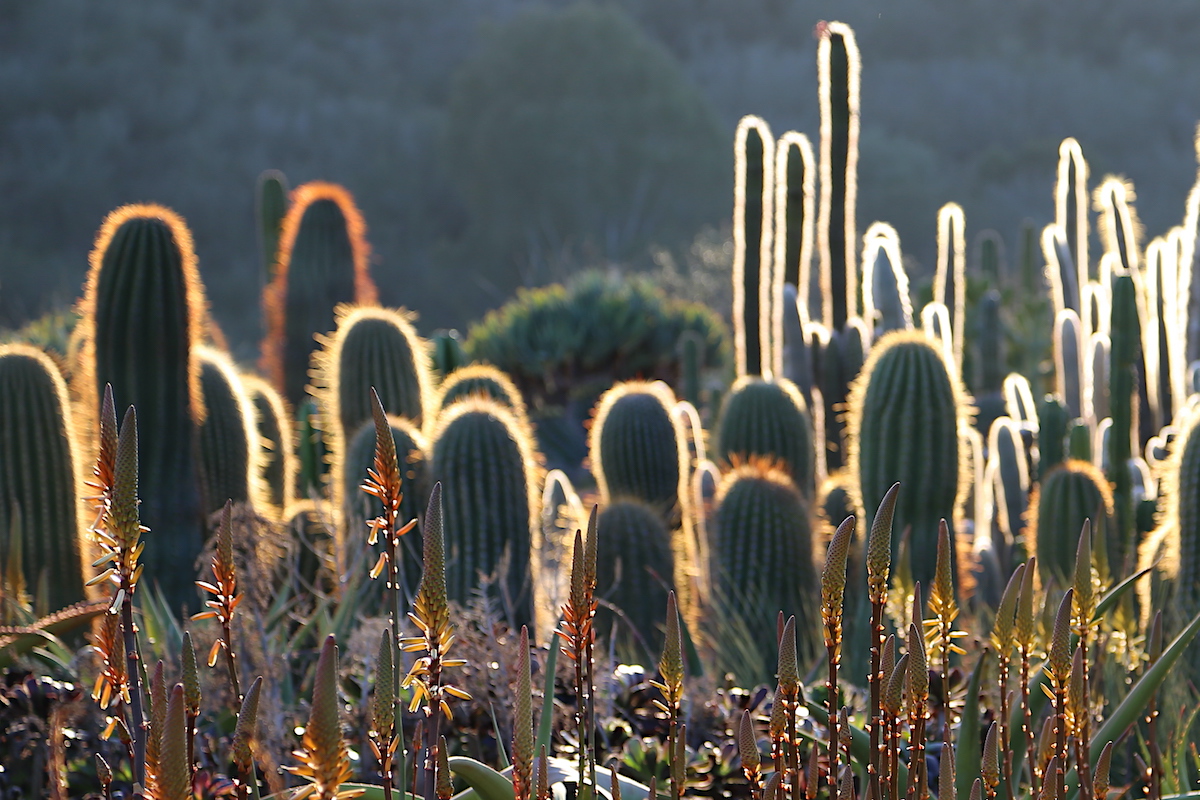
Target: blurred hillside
495, 143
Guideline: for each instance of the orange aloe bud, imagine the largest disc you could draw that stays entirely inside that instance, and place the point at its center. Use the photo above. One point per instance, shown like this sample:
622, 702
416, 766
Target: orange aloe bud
977, 789
522, 741
245, 732
879, 546
748, 748
174, 777
772, 789
614, 781
589, 561
990, 766
1100, 778
812, 774
789, 671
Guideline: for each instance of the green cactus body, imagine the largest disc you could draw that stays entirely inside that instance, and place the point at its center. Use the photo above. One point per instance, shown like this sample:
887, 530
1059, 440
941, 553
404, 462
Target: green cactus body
485, 380
905, 413
1071, 205
691, 358
836, 363
1053, 422
272, 208
1125, 333
886, 302
950, 280
310, 451
764, 561
795, 216
1099, 390
39, 463
638, 449
797, 360
230, 454
752, 249
769, 420
838, 68
992, 333
323, 261
1079, 441
1067, 495
483, 455
448, 353
990, 256
358, 507
1012, 476
143, 313
1068, 361
276, 442
634, 570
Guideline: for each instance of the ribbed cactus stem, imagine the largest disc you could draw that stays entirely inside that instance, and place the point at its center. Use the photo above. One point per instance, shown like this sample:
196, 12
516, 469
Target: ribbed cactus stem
1053, 422
484, 458
485, 380
1071, 205
39, 473
753, 254
1067, 495
634, 571
768, 419
323, 260
950, 279
276, 442
142, 315
992, 343
1123, 402
272, 207
231, 457
886, 302
795, 216
1068, 360
1008, 450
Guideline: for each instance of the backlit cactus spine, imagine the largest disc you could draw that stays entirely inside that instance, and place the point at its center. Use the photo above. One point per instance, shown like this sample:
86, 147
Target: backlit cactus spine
231, 456
481, 379
753, 254
638, 448
1175, 545
906, 411
768, 420
795, 218
886, 302
635, 568
39, 478
322, 261
143, 313
1067, 495
483, 455
950, 280
275, 441
763, 557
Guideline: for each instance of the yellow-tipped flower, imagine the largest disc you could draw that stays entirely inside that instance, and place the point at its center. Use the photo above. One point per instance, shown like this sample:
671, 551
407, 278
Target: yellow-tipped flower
1085, 588
942, 603
670, 666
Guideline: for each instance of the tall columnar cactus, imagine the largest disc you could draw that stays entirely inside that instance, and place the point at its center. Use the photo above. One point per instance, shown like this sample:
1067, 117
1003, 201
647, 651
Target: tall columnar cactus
635, 569
989, 255
838, 68
481, 379
272, 207
753, 254
1053, 422
1071, 206
795, 216
905, 414
276, 442
39, 473
1099, 376
950, 280
1068, 361
837, 358
768, 420
484, 457
1175, 545
231, 460
1126, 336
764, 559
638, 449
142, 315
1066, 496
886, 302
1007, 449
322, 261
357, 507
992, 361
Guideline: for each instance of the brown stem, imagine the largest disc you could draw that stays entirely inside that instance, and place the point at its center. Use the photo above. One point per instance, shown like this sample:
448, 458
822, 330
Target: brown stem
191, 749
831, 686
793, 750
138, 729
1082, 761
874, 679
1027, 723
893, 776
1006, 758
231, 660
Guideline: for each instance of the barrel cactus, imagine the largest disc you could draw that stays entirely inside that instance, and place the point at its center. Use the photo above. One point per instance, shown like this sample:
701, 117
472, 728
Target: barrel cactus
768, 419
638, 449
634, 569
275, 440
322, 261
481, 379
231, 457
142, 316
39, 463
483, 455
906, 411
1068, 494
763, 561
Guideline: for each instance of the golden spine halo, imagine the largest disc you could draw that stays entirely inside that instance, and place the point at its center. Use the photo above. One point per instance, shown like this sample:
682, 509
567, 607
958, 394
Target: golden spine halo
1066, 191
789, 141
258, 387
952, 269
758, 125
203, 354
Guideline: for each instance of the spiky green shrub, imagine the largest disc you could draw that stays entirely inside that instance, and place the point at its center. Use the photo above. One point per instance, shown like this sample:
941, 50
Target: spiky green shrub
322, 261
1067, 495
483, 456
275, 440
357, 507
905, 413
230, 453
767, 419
638, 448
39, 463
763, 559
142, 315
634, 570
272, 208
560, 342
481, 379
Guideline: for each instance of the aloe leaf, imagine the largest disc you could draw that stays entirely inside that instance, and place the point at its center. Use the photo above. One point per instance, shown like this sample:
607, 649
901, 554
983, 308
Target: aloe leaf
487, 782
1114, 594
968, 748
544, 726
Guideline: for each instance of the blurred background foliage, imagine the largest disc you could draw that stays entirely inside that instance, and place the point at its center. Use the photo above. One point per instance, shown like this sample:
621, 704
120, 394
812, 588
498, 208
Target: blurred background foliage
494, 144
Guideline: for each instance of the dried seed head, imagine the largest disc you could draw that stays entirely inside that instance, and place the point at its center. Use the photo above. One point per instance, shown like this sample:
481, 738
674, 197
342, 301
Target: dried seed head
245, 733
990, 765
1003, 630
1100, 777
833, 576
522, 742
879, 546
1085, 594
383, 711
748, 747
789, 671
191, 677
893, 694
1060, 643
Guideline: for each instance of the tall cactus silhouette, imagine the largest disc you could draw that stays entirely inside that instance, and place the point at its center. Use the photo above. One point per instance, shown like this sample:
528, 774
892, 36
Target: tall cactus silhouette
1071, 208
768, 420
231, 457
905, 413
322, 261
753, 254
39, 473
275, 440
638, 448
838, 68
795, 217
484, 458
950, 280
887, 305
1066, 496
1175, 544
272, 208
142, 315
1123, 381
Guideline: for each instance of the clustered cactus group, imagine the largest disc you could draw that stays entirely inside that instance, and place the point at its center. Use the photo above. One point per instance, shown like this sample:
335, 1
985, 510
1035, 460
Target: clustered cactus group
858, 508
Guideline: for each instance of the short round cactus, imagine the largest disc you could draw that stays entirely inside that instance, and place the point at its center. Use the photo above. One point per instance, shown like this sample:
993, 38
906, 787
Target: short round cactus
1066, 496
768, 419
